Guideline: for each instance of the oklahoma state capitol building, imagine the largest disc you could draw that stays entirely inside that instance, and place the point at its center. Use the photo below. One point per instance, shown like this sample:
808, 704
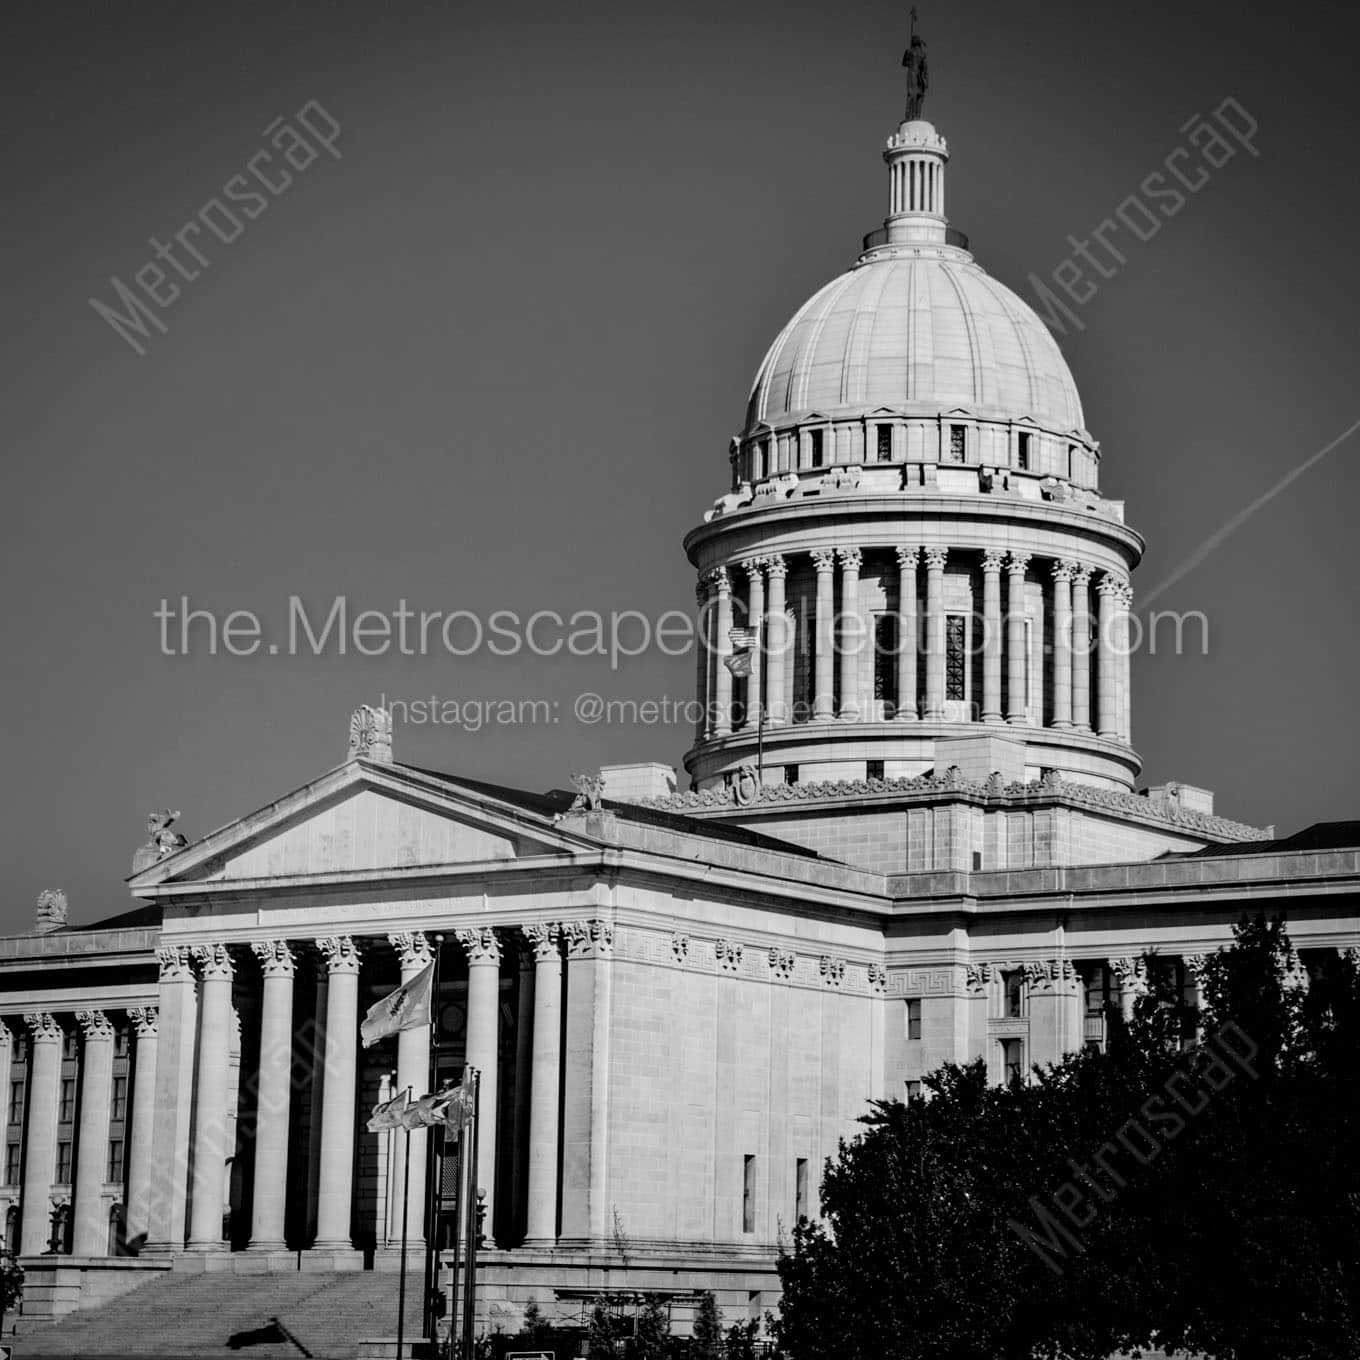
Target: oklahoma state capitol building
911, 833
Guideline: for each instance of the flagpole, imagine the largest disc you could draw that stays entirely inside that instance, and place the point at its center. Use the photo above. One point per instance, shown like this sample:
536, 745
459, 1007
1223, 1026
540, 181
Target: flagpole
460, 1199
405, 1210
470, 1259
431, 1181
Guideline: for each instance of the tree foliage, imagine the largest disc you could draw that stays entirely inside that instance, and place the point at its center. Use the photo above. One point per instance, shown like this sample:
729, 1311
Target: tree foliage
1206, 1200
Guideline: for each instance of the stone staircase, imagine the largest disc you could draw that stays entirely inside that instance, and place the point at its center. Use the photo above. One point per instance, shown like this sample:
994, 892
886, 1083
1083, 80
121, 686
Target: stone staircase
283, 1316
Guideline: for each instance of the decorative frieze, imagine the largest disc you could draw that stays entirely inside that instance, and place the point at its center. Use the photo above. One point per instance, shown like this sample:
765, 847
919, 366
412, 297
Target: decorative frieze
679, 946
781, 962
728, 954
832, 970
936, 981
878, 978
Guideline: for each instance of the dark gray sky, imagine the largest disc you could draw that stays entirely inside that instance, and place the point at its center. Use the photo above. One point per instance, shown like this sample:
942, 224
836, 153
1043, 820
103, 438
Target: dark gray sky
491, 359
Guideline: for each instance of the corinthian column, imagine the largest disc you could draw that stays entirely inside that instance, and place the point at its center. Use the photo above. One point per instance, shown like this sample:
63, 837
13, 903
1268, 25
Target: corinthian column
276, 1080
483, 1038
208, 1200
544, 1116
1017, 653
1062, 642
755, 618
143, 1020
992, 563
40, 1152
335, 1190
1108, 661
722, 649
1081, 649
935, 632
778, 639
851, 631
701, 653
1125, 665
908, 632
413, 1071
824, 689
91, 1231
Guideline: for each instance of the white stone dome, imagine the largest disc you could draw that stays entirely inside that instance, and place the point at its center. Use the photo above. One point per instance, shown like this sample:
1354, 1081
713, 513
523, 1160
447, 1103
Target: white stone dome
921, 328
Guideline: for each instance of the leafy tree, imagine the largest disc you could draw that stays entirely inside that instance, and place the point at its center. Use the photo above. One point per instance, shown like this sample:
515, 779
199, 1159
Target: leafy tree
707, 1341
1203, 1200
653, 1330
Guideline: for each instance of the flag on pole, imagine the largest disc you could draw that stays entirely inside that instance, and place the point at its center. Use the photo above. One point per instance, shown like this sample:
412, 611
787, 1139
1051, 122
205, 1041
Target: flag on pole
739, 663
743, 638
406, 1008
459, 1111
743, 641
450, 1106
387, 1115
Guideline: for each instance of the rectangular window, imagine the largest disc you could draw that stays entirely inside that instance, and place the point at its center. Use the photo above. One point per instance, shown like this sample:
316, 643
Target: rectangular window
118, 1100
1022, 452
954, 659
815, 443
12, 1164
1015, 991
68, 1044
885, 452
16, 1102
958, 443
1013, 1057
763, 464
68, 1100
64, 1162
1097, 990
748, 1194
800, 1189
790, 774
115, 1161
913, 1019
885, 661
1071, 461
873, 769
913, 1090
120, 1043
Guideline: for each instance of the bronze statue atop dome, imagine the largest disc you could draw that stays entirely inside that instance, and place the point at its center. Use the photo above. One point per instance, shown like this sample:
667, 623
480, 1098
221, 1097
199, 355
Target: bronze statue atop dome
918, 72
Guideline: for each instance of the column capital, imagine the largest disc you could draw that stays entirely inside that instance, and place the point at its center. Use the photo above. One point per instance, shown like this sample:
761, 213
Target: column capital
1064, 569
718, 579
1195, 965
978, 977
936, 558
753, 567
6, 1034
1017, 563
43, 1026
480, 943
544, 939
1110, 584
214, 961
174, 963
95, 1025
908, 558
777, 566
275, 956
413, 949
824, 559
145, 1021
992, 562
849, 558
1081, 575
340, 953
588, 939
1049, 975
1130, 972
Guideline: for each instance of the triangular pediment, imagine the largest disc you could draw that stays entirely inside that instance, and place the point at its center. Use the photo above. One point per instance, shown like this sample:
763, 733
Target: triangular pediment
363, 819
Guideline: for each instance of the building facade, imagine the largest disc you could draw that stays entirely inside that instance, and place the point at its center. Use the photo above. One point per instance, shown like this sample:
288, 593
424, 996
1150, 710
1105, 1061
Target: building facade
913, 834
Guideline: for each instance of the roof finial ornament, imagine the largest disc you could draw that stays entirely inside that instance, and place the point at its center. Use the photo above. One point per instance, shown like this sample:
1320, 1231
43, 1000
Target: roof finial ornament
918, 72
370, 734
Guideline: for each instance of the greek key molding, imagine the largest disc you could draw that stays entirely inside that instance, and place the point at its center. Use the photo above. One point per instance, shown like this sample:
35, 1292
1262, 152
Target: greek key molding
214, 962
935, 981
275, 956
340, 954
413, 949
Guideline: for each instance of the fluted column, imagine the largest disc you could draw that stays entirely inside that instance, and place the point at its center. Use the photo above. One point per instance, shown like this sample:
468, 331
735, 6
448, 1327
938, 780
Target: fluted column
851, 632
755, 618
483, 1036
40, 1150
908, 632
335, 1188
6, 1066
413, 1071
1063, 572
1131, 977
722, 649
144, 1022
90, 1233
208, 1201
992, 563
935, 632
173, 1102
544, 1115
1122, 628
524, 1047
824, 688
275, 1094
1107, 659
1081, 649
778, 641
701, 658
1017, 653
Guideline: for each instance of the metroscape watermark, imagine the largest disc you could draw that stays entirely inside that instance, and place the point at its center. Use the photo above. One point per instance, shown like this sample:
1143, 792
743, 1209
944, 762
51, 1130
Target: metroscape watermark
1139, 221
1161, 1119
215, 219
337, 627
